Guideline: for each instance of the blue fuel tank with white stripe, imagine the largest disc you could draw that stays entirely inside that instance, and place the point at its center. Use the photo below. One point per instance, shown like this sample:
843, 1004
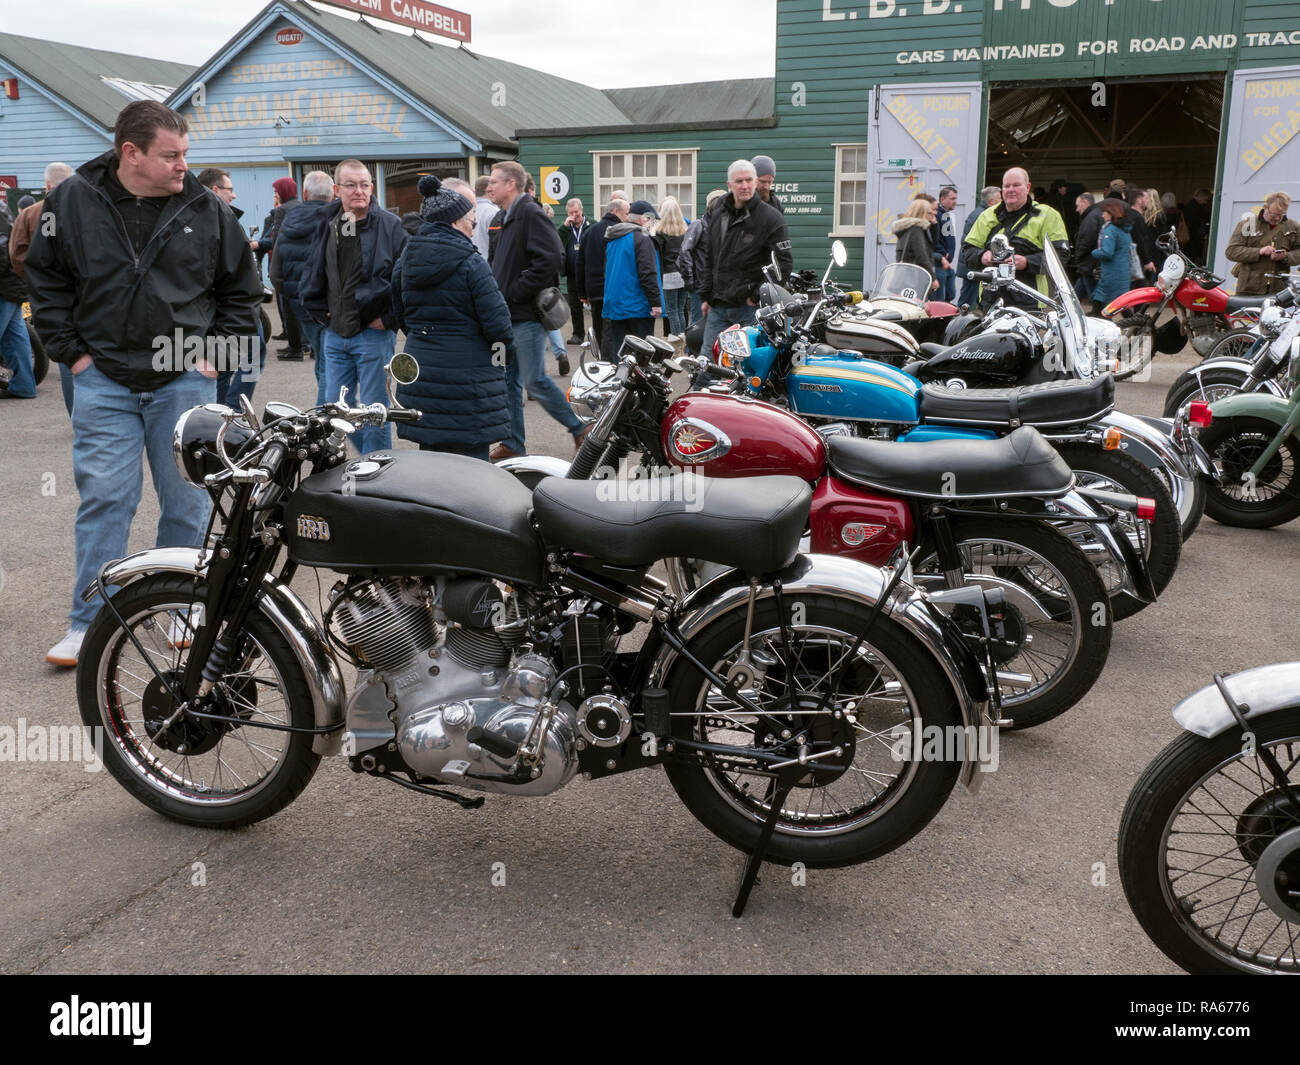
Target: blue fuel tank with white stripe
844, 386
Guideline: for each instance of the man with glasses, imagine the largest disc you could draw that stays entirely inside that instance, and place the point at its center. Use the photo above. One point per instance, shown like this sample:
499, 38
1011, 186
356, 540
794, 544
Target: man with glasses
347, 287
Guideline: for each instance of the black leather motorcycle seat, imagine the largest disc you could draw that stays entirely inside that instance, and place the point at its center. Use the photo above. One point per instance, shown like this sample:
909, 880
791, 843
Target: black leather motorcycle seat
1021, 463
913, 368
930, 349
751, 523
1240, 303
1053, 403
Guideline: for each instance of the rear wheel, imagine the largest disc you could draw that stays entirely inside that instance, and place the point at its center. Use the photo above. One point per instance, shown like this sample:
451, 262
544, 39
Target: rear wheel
197, 771
881, 705
1209, 850
1162, 545
1059, 624
1209, 386
1272, 498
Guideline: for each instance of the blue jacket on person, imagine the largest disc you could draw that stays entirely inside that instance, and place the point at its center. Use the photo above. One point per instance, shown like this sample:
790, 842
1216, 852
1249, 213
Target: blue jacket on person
293, 250
382, 238
631, 273
1116, 270
457, 326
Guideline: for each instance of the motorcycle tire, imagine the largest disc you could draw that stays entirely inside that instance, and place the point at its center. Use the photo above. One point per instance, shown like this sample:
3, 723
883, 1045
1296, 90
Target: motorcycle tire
1070, 591
812, 829
40, 361
1116, 471
154, 764
1212, 385
1138, 329
1168, 886
1234, 444
1234, 344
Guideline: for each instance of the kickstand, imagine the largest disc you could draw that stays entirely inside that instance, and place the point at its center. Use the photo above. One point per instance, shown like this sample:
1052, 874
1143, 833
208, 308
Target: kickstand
781, 786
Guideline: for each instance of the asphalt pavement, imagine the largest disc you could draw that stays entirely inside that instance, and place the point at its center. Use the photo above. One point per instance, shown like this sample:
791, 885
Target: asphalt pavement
358, 875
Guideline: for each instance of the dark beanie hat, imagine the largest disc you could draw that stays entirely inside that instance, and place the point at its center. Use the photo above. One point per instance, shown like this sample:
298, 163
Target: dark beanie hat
764, 166
440, 204
286, 187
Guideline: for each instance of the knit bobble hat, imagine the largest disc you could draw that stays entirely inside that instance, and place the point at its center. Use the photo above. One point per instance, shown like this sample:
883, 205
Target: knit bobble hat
441, 205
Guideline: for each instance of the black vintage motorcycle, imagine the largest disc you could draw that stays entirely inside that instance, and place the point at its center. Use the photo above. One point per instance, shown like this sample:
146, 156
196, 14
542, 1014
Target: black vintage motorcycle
487, 621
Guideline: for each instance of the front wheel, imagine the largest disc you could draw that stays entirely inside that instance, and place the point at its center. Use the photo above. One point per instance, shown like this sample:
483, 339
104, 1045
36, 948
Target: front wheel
199, 772
1259, 502
1209, 850
1095, 467
1138, 328
878, 707
1058, 626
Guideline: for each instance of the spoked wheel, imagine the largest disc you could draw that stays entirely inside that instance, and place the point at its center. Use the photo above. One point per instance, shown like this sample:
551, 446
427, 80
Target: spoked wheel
1272, 498
1236, 344
195, 770
1139, 332
1161, 542
875, 708
1062, 615
1209, 850
1211, 385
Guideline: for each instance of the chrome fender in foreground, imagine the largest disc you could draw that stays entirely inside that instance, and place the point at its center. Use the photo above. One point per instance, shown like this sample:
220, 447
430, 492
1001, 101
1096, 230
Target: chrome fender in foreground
1072, 503
862, 584
1151, 441
287, 612
532, 468
1262, 690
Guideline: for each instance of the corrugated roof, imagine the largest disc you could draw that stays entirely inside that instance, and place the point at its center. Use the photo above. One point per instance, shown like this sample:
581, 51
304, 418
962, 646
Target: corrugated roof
697, 101
448, 79
77, 74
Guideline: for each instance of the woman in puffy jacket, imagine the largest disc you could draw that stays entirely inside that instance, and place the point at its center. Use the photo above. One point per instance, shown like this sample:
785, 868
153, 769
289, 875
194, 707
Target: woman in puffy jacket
457, 326
915, 242
1113, 253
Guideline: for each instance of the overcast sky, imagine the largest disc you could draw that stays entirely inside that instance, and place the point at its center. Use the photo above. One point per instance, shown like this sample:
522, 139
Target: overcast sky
676, 40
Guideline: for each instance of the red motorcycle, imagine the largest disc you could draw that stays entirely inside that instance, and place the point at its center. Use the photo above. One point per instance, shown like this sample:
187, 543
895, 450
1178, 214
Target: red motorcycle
1204, 314
979, 511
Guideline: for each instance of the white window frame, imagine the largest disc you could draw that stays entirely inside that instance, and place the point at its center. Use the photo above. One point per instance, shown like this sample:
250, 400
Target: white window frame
660, 180
838, 230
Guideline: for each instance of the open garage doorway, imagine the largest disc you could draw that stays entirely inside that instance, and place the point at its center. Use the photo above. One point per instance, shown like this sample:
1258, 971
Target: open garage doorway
1152, 133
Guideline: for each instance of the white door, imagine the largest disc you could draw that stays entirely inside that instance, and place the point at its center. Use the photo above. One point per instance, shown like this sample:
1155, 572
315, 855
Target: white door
1261, 153
921, 137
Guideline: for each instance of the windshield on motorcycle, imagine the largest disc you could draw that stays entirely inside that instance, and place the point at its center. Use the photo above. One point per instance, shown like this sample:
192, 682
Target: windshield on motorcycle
902, 281
1074, 331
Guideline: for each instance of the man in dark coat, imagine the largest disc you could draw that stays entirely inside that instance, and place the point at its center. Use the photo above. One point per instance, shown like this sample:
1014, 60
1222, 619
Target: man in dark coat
284, 193
589, 271
141, 282
571, 234
527, 260
348, 289
765, 171
18, 381
743, 235
1086, 238
457, 326
290, 259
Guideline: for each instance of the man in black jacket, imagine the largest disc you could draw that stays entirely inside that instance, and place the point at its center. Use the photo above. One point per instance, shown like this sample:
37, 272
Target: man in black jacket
527, 260
144, 284
347, 287
743, 234
290, 258
571, 234
590, 269
1086, 238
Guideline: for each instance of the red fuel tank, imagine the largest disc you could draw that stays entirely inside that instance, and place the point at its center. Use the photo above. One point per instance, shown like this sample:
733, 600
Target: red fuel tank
726, 436
1195, 298
859, 524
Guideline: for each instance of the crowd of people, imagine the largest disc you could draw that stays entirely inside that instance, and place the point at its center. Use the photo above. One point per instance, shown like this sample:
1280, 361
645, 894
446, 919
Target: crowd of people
147, 292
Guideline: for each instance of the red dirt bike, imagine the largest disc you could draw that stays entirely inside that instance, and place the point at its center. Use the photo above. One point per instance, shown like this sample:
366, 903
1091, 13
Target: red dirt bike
1204, 314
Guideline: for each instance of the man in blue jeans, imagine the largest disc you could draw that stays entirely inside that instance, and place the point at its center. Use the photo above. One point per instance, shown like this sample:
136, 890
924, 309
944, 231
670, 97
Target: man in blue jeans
347, 287
527, 259
114, 288
945, 245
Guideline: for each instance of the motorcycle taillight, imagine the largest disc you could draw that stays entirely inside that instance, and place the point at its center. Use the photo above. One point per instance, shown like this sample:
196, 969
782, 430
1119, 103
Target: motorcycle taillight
1146, 508
1198, 413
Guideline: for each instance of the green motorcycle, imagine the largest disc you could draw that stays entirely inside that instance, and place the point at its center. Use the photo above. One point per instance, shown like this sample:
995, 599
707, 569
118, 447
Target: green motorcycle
1253, 443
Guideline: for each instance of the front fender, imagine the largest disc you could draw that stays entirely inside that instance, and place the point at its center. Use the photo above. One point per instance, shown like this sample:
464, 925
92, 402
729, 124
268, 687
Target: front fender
1252, 405
862, 584
1236, 365
1134, 297
285, 610
1262, 690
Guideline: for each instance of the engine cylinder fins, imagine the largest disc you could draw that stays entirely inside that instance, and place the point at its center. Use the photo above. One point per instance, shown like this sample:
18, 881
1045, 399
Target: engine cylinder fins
384, 623
477, 648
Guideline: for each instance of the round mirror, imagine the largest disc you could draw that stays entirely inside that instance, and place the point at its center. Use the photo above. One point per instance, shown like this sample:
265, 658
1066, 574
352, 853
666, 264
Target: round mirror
839, 253
404, 368
275, 410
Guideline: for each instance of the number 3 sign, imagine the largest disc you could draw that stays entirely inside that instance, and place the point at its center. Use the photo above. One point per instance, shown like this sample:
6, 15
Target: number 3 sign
555, 185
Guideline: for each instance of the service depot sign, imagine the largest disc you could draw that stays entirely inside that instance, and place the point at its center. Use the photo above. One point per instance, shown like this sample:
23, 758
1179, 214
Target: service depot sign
414, 13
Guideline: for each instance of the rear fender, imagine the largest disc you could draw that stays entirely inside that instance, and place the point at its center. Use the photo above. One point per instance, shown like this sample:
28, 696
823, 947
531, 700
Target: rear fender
1262, 690
282, 608
1271, 408
1241, 366
861, 584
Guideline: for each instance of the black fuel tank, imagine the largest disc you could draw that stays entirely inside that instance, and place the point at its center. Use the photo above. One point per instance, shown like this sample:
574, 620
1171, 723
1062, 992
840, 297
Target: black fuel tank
415, 513
992, 358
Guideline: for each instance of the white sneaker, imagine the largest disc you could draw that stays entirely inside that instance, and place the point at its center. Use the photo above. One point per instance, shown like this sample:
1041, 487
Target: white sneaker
181, 630
65, 652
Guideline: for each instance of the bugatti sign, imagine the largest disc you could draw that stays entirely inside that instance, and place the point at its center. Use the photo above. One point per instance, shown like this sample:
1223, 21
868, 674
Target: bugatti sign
414, 13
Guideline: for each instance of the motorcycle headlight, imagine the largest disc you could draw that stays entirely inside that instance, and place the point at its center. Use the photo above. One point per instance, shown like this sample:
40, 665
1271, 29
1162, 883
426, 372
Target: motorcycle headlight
1173, 269
590, 388
1272, 319
194, 441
